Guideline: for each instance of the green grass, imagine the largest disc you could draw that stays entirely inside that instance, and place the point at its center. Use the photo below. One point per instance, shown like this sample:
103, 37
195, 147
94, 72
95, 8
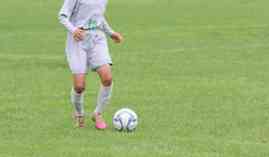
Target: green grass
195, 71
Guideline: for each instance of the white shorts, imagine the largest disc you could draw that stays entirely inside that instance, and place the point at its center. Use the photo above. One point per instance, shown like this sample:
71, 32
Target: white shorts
81, 58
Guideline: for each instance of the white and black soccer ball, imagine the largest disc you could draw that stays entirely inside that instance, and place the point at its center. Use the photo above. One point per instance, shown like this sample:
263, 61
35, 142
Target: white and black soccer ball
125, 119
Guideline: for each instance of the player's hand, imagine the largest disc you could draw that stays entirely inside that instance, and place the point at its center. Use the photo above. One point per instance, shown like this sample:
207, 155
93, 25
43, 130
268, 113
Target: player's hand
117, 37
78, 34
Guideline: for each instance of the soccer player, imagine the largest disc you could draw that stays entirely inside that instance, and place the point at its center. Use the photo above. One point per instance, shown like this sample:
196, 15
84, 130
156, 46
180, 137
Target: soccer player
87, 49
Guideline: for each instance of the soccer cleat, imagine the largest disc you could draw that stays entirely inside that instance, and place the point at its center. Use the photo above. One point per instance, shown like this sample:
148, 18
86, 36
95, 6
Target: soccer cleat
99, 121
79, 120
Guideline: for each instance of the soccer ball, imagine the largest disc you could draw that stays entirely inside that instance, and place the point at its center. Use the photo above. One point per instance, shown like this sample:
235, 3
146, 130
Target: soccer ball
125, 119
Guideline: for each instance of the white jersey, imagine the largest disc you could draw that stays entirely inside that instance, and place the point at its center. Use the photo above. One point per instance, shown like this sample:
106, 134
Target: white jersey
87, 14
91, 52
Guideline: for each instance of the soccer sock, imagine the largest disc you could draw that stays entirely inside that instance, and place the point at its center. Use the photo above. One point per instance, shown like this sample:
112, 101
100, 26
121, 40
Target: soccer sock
103, 98
77, 100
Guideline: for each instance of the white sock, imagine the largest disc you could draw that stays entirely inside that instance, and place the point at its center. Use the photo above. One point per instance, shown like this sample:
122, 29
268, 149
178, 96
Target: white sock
103, 98
78, 102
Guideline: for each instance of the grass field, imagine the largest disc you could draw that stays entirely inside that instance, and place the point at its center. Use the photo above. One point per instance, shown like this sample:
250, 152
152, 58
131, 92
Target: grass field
195, 71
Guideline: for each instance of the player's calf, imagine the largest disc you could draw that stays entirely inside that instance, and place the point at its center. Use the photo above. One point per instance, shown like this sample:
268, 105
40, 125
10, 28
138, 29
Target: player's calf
77, 99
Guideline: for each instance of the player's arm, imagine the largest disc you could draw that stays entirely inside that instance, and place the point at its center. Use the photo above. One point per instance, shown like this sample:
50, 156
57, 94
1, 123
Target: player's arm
115, 36
64, 18
65, 13
106, 27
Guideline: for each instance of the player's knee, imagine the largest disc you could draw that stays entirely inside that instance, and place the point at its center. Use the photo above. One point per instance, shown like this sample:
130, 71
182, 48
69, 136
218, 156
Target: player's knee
79, 88
107, 81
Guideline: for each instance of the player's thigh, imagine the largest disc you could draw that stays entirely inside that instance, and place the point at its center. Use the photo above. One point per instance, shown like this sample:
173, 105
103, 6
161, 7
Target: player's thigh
105, 74
99, 56
79, 82
76, 57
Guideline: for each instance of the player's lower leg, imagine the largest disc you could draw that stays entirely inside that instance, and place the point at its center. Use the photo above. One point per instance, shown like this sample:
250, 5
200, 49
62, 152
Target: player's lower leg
104, 95
103, 98
77, 99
